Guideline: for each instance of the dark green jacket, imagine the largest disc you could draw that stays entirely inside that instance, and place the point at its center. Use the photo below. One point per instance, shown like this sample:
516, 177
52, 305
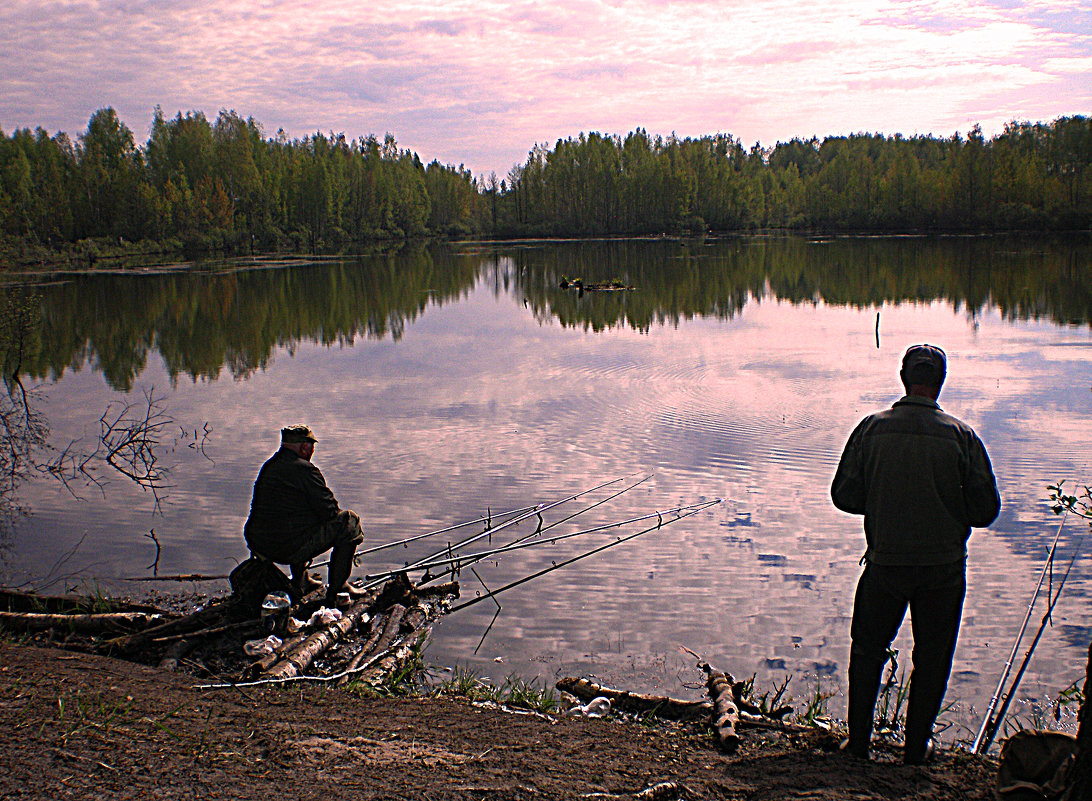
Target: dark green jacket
921, 478
290, 499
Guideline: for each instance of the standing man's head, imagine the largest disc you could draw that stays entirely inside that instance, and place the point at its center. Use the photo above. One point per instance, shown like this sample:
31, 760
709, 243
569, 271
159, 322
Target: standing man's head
299, 439
923, 370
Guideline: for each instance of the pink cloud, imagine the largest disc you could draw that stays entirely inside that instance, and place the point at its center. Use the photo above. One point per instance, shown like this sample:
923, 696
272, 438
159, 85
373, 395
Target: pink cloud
481, 82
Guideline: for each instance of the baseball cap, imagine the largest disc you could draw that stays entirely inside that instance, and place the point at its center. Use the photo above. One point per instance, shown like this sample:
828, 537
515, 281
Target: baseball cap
297, 433
924, 364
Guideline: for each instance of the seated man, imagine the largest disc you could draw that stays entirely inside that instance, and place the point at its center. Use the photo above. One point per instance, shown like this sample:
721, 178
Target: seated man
294, 516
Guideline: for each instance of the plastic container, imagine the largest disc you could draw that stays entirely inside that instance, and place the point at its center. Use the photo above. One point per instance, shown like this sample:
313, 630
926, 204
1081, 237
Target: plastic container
274, 614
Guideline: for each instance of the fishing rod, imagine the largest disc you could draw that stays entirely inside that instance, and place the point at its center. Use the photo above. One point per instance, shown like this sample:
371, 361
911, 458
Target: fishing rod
584, 555
995, 724
1016, 645
487, 519
534, 511
521, 544
427, 578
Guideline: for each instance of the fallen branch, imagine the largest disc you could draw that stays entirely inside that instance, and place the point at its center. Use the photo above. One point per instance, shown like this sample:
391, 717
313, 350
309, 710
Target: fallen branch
389, 660
201, 619
725, 711
176, 577
739, 691
661, 791
266, 661
626, 701
93, 623
208, 632
390, 630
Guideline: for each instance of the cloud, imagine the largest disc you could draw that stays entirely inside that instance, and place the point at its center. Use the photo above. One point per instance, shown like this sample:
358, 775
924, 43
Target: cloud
482, 82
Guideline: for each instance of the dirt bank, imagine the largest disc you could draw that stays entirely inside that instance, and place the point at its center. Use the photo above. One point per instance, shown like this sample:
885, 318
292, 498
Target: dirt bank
82, 726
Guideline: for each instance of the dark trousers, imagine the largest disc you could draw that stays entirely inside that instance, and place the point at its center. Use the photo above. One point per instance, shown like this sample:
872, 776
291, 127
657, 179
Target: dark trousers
934, 595
342, 533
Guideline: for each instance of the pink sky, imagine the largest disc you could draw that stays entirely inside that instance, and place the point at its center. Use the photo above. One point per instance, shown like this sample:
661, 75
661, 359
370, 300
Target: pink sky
481, 82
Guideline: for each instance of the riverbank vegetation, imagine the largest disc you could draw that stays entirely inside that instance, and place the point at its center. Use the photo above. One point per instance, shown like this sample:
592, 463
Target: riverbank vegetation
224, 184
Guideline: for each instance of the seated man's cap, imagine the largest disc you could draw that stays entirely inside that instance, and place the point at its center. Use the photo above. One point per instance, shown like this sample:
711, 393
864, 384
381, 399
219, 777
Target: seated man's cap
297, 433
924, 364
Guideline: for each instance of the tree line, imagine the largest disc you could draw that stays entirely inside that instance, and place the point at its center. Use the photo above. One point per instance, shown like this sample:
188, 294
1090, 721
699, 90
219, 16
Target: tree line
224, 184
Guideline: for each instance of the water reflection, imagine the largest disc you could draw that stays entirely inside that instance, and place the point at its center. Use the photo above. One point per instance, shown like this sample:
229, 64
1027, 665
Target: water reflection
233, 316
447, 380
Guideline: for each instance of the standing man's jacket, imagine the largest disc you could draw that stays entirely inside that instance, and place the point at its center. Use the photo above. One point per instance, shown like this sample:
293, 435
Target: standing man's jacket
921, 478
290, 499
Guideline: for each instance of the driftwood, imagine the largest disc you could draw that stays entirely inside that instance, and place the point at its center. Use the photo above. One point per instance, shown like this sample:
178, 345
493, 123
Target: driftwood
375, 631
655, 792
725, 711
266, 661
386, 662
439, 591
180, 577
211, 615
380, 637
390, 628
208, 632
18, 601
299, 659
626, 701
92, 623
389, 657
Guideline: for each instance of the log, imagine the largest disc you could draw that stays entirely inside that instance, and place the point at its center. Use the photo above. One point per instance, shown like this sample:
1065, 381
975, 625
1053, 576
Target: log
390, 628
725, 711
626, 701
266, 661
300, 658
94, 623
375, 630
208, 632
439, 591
394, 646
203, 618
179, 577
375, 633
18, 601
422, 613
386, 664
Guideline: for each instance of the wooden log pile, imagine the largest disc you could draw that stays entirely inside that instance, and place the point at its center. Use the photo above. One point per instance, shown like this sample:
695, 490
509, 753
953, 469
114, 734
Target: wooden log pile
371, 638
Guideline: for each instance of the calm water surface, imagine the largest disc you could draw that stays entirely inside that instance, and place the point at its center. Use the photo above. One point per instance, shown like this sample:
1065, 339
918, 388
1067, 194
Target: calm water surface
443, 382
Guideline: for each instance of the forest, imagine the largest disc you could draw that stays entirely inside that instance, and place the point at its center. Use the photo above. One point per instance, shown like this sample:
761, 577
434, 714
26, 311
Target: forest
225, 185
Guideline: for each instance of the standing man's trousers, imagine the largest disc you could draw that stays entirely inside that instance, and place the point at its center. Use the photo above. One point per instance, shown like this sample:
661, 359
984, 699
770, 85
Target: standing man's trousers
934, 595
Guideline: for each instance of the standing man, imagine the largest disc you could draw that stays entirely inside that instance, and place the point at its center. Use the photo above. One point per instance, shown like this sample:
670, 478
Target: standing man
922, 479
294, 516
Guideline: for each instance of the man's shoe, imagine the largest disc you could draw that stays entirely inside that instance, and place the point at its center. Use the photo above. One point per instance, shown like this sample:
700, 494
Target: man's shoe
853, 749
920, 756
355, 590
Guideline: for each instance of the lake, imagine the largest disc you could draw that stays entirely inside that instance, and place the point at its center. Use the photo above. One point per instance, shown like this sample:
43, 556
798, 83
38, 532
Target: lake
447, 382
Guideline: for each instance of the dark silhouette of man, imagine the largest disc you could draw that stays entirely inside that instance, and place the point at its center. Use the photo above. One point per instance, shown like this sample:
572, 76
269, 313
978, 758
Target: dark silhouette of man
294, 516
922, 479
